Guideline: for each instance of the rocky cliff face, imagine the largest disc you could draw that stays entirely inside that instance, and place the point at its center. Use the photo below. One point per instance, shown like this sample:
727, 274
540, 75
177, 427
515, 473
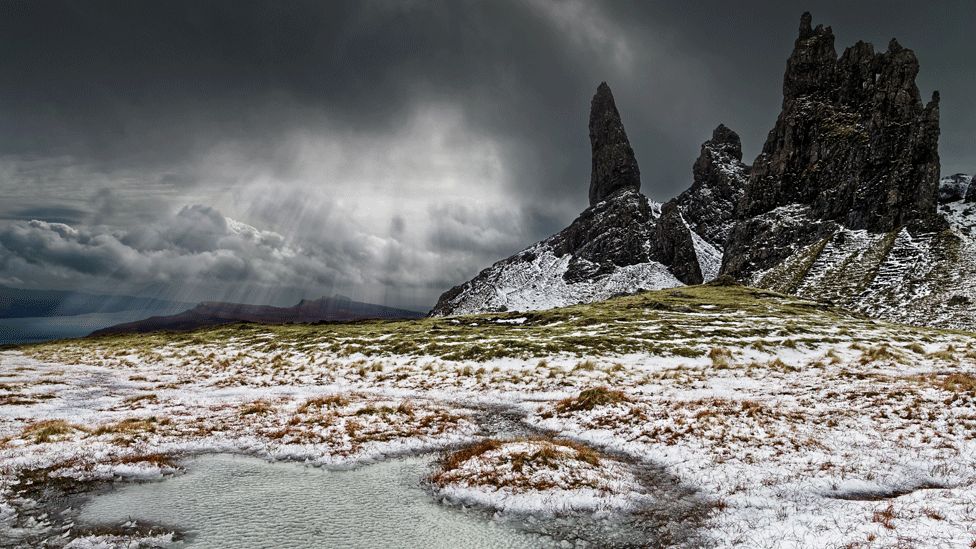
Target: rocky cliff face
844, 203
719, 180
854, 146
620, 244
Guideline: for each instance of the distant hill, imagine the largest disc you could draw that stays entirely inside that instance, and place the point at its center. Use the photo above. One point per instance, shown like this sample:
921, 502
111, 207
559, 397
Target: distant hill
22, 303
326, 309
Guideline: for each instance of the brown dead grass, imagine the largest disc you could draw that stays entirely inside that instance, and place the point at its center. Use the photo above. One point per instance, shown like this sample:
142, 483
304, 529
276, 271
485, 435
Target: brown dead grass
885, 517
159, 460
454, 460
548, 453
721, 357
46, 431
589, 399
959, 383
317, 403
130, 426
258, 407
149, 398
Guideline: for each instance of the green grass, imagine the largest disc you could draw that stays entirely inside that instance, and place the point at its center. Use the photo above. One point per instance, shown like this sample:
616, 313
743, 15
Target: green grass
686, 322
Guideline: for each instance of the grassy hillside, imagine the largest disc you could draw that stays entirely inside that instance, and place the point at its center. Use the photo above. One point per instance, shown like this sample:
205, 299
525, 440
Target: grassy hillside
683, 322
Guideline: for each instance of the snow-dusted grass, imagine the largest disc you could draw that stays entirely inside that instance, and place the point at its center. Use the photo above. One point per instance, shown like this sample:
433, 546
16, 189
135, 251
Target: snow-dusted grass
803, 424
532, 475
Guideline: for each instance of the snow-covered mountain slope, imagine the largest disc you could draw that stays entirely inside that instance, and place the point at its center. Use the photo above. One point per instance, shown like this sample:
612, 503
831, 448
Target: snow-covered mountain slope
622, 243
537, 281
608, 250
923, 278
709, 257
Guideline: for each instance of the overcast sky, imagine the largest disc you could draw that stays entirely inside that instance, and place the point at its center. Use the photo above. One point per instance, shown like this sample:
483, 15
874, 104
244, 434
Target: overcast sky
266, 151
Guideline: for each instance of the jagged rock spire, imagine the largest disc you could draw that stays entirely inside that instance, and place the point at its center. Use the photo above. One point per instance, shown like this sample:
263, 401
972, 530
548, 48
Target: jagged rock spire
725, 140
854, 145
719, 180
614, 165
812, 65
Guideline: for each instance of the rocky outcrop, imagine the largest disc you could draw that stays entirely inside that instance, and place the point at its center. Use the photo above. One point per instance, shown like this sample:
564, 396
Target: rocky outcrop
854, 145
622, 243
613, 233
719, 180
843, 203
676, 245
953, 188
614, 165
605, 252
956, 187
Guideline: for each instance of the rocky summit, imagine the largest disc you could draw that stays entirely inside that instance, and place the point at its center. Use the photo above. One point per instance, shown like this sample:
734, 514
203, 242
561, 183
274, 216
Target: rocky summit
844, 204
853, 147
719, 180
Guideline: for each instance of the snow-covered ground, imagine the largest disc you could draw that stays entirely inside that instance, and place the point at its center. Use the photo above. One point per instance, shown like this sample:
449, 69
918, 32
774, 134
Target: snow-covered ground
802, 425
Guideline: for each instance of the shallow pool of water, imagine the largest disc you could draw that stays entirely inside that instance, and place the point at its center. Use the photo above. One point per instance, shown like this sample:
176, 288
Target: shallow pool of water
237, 501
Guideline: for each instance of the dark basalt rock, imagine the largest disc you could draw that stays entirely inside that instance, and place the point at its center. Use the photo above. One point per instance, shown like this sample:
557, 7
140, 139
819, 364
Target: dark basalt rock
853, 143
761, 242
708, 206
612, 234
614, 165
971, 193
675, 246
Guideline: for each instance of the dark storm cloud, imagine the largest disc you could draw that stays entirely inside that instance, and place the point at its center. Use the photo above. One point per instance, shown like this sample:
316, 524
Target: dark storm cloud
409, 142
55, 214
197, 244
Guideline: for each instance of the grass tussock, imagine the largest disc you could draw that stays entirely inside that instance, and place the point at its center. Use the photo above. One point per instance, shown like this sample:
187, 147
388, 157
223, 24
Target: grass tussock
880, 353
155, 459
589, 399
148, 398
258, 407
721, 357
405, 408
49, 430
322, 402
958, 383
504, 468
130, 426
885, 517
454, 460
